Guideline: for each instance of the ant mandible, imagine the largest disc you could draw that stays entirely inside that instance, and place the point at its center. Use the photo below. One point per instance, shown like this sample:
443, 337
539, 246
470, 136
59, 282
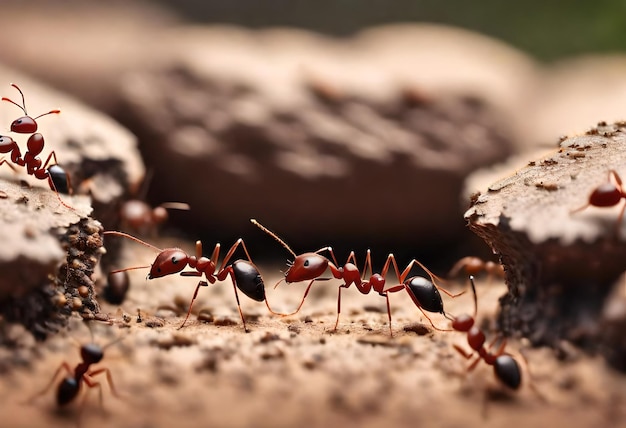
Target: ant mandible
310, 267
506, 368
58, 179
243, 273
607, 194
69, 388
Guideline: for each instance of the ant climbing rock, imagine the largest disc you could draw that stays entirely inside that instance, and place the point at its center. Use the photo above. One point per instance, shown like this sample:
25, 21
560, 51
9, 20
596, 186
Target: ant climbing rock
243, 273
70, 386
311, 266
506, 368
607, 194
58, 180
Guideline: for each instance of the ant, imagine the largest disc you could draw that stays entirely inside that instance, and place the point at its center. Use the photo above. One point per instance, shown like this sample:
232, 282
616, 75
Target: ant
607, 194
70, 386
58, 180
140, 217
310, 267
243, 273
473, 265
505, 367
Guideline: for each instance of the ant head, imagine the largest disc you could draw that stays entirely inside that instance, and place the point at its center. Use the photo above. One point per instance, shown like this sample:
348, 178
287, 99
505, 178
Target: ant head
24, 125
135, 213
306, 267
7, 143
159, 215
91, 353
169, 261
605, 195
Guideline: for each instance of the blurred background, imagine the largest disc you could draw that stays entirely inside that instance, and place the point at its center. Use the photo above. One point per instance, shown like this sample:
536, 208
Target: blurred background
357, 124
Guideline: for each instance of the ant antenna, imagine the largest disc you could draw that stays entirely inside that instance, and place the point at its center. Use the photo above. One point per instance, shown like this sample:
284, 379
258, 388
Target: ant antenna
126, 235
273, 235
23, 106
471, 278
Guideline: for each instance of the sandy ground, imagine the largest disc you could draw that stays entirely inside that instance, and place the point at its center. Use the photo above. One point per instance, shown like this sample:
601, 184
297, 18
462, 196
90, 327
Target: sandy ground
295, 371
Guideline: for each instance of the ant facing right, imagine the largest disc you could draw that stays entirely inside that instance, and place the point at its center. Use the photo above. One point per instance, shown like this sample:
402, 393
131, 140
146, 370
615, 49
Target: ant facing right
58, 180
607, 194
312, 265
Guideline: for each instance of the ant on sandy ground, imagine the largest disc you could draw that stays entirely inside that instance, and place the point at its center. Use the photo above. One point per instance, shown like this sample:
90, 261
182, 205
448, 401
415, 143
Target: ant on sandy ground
58, 179
70, 386
607, 194
244, 274
311, 266
506, 367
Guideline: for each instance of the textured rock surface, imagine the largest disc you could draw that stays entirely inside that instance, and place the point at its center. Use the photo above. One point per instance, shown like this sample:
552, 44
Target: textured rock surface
303, 133
560, 266
41, 237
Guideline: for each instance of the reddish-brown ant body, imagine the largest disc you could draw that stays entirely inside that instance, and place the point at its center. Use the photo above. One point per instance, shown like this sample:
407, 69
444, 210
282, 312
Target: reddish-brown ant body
243, 273
70, 386
506, 368
56, 176
607, 194
140, 217
471, 265
311, 266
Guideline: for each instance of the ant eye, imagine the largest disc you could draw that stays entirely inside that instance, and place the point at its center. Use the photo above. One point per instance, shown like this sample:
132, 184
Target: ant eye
174, 260
306, 263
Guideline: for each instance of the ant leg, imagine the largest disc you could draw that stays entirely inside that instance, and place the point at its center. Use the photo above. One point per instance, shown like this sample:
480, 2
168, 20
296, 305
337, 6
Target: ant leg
432, 276
339, 305
389, 314
64, 366
243, 320
195, 294
4, 161
109, 378
306, 292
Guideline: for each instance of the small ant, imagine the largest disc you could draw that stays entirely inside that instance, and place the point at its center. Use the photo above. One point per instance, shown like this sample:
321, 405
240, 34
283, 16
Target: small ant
69, 387
607, 194
473, 265
58, 179
139, 217
243, 273
116, 288
505, 367
311, 266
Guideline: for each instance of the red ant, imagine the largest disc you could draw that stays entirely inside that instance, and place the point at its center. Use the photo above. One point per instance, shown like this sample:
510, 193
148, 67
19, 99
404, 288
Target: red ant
473, 265
311, 266
607, 194
243, 273
57, 177
69, 388
505, 367
140, 217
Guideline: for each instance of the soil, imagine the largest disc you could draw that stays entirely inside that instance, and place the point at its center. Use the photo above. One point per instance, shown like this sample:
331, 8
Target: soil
290, 371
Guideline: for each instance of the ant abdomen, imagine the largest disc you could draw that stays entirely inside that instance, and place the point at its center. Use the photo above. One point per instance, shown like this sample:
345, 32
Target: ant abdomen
426, 293
67, 390
249, 280
508, 371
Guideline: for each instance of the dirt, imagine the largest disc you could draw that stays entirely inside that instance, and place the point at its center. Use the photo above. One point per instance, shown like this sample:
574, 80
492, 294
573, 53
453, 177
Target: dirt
295, 370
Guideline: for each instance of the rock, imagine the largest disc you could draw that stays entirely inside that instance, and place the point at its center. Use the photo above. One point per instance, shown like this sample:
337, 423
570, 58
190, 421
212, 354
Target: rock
48, 258
302, 133
560, 265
